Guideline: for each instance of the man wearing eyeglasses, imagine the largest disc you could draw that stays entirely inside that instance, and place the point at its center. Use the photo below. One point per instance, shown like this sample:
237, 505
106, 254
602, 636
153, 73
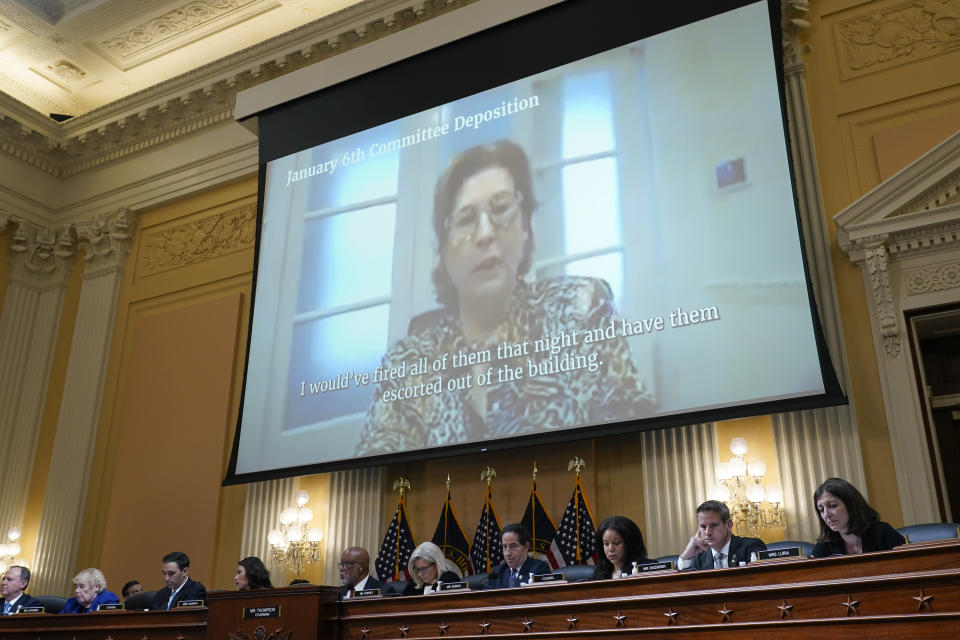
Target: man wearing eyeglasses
355, 572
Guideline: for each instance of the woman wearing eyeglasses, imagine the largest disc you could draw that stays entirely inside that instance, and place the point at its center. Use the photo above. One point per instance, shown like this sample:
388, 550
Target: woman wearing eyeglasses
483, 205
428, 566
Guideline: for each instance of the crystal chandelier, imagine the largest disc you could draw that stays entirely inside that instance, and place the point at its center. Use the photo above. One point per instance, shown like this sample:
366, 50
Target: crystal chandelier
295, 544
10, 550
753, 507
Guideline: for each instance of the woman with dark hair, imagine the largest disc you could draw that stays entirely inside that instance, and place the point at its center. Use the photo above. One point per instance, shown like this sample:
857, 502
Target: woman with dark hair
252, 574
622, 547
483, 205
847, 523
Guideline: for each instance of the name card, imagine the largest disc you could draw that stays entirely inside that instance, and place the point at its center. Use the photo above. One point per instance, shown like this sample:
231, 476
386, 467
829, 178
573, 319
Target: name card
366, 593
31, 610
189, 603
548, 577
655, 566
770, 554
261, 612
110, 606
453, 586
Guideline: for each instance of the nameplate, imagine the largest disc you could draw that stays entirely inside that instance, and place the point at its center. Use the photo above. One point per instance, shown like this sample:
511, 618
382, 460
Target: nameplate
655, 566
453, 586
261, 612
31, 610
771, 554
548, 577
189, 603
366, 593
110, 606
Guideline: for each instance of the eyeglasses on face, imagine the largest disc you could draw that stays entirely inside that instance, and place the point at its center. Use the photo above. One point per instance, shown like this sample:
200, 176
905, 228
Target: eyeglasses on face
423, 569
501, 209
344, 565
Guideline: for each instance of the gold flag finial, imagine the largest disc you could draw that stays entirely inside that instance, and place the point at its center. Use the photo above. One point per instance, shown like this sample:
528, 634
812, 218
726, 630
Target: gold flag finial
447, 483
488, 474
534, 470
403, 485
577, 464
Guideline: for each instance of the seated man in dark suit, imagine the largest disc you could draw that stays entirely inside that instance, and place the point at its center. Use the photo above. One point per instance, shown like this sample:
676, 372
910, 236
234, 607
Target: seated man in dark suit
175, 568
15, 580
517, 565
355, 572
714, 546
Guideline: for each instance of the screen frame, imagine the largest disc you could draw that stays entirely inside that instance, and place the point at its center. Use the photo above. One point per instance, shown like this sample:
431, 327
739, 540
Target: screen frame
486, 59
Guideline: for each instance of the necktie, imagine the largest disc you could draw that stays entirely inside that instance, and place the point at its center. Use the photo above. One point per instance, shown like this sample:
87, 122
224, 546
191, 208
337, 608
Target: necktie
514, 578
720, 564
6, 608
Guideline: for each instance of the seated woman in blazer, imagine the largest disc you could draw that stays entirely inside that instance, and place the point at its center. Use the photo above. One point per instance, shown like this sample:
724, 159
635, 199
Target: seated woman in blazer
89, 592
847, 523
622, 547
427, 567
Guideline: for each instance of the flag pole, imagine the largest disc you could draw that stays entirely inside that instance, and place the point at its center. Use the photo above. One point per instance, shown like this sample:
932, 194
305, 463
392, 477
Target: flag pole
487, 475
446, 509
402, 485
533, 506
577, 464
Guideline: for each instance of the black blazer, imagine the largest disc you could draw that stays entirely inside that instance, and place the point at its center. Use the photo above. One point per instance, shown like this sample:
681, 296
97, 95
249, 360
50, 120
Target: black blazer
191, 590
25, 600
600, 574
879, 536
413, 590
372, 583
740, 550
499, 578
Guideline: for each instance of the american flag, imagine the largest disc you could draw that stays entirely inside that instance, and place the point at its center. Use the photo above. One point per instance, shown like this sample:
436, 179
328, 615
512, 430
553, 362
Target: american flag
396, 547
451, 538
576, 539
486, 552
539, 524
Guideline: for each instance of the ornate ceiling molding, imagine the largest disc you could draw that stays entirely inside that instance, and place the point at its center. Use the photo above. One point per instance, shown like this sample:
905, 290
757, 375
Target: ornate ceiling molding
200, 99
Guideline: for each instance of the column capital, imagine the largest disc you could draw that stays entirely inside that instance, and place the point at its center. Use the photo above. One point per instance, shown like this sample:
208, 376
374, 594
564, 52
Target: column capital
40, 258
793, 21
105, 239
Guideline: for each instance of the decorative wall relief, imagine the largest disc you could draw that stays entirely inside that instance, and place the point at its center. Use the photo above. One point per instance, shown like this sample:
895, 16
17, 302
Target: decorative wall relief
197, 240
932, 278
875, 258
898, 34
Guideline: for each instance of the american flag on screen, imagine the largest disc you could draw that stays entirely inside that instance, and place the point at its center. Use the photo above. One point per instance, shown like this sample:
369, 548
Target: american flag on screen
576, 539
396, 547
486, 552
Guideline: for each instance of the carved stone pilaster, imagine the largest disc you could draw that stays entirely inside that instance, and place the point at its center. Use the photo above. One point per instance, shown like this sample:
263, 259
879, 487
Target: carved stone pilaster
875, 261
793, 22
4, 219
105, 240
41, 258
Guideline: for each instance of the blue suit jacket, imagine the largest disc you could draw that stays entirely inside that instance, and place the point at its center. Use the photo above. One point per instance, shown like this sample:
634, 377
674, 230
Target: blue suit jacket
104, 597
500, 577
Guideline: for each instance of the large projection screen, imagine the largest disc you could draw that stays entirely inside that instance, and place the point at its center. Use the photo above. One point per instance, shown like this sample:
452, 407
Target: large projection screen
610, 243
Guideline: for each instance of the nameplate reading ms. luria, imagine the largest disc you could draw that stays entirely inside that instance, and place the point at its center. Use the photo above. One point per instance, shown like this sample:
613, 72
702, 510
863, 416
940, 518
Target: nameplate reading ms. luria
189, 603
770, 554
261, 612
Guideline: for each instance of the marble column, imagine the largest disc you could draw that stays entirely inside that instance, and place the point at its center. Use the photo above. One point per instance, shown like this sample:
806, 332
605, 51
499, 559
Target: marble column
105, 241
40, 263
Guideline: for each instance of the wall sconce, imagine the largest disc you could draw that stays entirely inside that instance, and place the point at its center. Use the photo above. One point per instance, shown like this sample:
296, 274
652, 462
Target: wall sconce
753, 507
10, 550
295, 544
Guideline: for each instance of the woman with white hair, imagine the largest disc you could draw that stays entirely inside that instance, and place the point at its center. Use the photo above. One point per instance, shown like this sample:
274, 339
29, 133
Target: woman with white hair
89, 592
428, 566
